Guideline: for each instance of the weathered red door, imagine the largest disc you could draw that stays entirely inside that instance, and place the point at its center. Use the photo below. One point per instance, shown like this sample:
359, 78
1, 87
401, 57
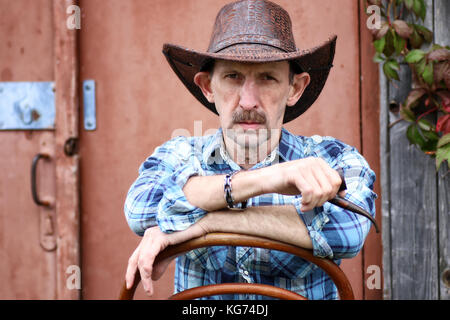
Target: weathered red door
139, 104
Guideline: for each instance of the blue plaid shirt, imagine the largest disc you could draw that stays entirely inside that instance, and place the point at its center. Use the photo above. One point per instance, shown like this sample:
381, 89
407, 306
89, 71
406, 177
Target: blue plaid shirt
156, 198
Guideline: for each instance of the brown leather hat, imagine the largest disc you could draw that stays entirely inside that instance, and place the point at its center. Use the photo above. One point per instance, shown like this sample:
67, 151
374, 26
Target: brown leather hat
255, 31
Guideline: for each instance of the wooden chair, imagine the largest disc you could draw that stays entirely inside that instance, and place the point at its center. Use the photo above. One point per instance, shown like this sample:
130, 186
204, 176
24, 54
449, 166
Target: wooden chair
230, 239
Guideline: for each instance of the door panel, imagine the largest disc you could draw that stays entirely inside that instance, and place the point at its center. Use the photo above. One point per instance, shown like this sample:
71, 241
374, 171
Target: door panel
140, 102
27, 271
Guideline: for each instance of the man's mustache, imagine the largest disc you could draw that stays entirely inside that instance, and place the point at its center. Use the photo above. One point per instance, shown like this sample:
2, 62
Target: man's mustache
249, 116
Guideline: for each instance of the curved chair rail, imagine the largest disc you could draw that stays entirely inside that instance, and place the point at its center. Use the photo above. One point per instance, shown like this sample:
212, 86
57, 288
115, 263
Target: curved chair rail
231, 239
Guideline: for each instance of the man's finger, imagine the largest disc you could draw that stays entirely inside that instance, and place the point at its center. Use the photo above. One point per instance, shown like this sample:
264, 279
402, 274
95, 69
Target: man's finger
308, 186
132, 267
145, 261
326, 188
342, 193
146, 280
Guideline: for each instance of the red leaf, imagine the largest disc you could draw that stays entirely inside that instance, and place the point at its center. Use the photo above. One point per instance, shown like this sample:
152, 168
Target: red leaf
445, 97
382, 32
413, 96
439, 55
440, 70
402, 28
443, 124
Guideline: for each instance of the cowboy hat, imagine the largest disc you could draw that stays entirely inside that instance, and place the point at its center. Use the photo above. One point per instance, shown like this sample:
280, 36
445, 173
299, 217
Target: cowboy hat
254, 31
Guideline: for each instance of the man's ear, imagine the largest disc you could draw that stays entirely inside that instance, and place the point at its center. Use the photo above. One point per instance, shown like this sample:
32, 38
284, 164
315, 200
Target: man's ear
203, 81
298, 86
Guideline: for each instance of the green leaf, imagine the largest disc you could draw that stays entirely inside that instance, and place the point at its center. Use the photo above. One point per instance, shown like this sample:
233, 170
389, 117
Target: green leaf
422, 134
425, 124
420, 9
426, 33
444, 140
427, 74
416, 39
432, 137
407, 114
390, 69
414, 136
379, 44
414, 56
420, 67
389, 48
443, 152
399, 44
409, 4
423, 10
378, 58
436, 46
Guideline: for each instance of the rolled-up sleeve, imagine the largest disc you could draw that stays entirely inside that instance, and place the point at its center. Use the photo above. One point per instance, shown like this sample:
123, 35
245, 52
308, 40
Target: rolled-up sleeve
335, 232
157, 197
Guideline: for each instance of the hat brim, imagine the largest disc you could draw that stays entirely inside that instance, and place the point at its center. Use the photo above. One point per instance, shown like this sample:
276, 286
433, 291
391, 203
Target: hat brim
316, 61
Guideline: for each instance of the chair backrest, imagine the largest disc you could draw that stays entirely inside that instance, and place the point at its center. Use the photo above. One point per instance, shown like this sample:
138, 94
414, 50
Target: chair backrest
231, 239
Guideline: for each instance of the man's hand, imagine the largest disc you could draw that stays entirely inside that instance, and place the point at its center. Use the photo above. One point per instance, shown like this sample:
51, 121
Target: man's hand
153, 242
311, 177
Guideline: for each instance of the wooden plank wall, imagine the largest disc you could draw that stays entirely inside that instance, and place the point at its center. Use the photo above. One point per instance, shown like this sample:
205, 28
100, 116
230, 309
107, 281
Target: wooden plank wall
415, 208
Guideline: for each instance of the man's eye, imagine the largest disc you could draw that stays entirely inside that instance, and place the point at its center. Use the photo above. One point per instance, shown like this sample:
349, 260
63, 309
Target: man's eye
268, 77
231, 76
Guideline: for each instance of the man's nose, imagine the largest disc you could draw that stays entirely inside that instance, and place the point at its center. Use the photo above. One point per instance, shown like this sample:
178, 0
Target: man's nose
249, 95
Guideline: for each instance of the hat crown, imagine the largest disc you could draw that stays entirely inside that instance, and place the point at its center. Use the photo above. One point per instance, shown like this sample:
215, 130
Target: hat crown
252, 22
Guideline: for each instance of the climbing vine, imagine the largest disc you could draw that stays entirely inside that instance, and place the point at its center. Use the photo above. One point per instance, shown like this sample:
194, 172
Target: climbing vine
427, 106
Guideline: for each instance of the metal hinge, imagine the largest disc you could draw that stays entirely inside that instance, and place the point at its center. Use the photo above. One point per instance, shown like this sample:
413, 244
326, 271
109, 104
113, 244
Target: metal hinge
89, 109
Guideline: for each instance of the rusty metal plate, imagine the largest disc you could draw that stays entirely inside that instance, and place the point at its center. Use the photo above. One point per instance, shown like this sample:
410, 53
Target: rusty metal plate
27, 106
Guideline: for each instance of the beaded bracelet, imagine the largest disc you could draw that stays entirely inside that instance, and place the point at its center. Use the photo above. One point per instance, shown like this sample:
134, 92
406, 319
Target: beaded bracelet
228, 193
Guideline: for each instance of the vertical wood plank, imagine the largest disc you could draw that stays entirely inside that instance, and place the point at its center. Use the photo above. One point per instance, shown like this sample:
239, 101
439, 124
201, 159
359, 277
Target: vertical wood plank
444, 232
442, 37
413, 210
370, 145
67, 167
385, 183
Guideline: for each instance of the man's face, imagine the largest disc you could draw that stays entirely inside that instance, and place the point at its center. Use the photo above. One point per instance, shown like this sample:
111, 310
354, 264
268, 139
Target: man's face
251, 99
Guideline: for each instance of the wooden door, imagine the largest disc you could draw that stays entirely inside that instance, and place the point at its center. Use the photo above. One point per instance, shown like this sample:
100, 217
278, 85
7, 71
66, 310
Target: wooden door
140, 103
39, 245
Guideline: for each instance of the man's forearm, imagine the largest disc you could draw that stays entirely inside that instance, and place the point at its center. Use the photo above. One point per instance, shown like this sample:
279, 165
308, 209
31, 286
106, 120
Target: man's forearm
280, 223
311, 177
207, 192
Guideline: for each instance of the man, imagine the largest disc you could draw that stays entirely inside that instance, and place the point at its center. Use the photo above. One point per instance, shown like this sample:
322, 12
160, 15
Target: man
255, 79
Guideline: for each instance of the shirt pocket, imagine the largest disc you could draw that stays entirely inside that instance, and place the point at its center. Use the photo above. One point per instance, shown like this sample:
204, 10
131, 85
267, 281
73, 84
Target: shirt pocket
289, 266
210, 258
